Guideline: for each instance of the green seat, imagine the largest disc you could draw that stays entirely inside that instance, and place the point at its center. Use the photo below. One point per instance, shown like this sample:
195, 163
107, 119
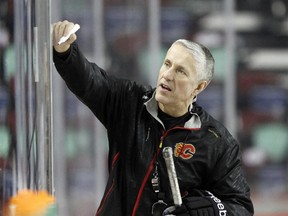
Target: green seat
4, 141
272, 138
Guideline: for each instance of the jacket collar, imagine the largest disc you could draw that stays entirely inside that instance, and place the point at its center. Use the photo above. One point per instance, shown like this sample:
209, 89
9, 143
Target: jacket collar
152, 108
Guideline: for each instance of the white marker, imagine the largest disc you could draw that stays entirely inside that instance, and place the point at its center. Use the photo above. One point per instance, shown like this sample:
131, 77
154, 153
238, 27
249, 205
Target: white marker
75, 28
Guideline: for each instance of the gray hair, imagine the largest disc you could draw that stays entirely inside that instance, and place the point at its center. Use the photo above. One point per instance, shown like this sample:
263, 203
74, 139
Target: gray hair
203, 57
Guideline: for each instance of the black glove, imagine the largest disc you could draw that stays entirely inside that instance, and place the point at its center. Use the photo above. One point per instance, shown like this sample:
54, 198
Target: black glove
204, 204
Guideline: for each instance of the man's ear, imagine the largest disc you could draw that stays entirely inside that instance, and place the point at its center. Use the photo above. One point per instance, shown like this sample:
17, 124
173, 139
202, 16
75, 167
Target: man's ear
201, 86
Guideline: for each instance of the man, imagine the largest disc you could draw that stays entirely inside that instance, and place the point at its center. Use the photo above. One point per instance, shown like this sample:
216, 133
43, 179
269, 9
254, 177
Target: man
141, 121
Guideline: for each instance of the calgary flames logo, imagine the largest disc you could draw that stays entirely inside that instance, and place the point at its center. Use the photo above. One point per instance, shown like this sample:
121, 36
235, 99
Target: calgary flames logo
184, 150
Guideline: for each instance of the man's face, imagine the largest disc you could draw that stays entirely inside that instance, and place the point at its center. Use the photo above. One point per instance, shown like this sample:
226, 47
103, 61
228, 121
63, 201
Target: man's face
177, 83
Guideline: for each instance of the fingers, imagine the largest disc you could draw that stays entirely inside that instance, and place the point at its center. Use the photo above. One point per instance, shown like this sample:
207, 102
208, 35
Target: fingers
168, 211
61, 29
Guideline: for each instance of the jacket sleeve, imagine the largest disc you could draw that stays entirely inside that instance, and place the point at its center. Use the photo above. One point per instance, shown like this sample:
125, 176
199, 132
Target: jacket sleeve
114, 101
106, 96
228, 182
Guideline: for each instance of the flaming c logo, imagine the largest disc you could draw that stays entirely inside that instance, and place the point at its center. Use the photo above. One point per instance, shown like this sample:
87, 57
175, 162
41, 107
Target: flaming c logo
184, 150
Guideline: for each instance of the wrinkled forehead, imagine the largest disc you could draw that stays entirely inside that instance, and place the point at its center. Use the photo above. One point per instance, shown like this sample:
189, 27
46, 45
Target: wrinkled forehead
181, 51
181, 56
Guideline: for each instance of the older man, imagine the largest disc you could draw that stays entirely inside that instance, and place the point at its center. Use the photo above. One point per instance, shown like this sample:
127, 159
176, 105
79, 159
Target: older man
141, 121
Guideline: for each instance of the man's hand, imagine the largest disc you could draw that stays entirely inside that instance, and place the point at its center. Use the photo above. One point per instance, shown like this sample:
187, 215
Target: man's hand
201, 203
61, 29
192, 206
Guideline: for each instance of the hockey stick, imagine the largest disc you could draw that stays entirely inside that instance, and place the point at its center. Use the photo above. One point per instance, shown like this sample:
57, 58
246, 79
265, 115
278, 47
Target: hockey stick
168, 156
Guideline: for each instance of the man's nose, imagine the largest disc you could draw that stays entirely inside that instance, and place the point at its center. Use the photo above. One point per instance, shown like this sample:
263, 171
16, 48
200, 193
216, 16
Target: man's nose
168, 74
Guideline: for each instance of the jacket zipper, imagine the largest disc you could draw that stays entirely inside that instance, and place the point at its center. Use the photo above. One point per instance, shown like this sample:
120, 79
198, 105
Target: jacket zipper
151, 166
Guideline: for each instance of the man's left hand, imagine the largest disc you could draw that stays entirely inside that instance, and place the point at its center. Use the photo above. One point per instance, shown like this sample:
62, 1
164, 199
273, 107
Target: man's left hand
204, 204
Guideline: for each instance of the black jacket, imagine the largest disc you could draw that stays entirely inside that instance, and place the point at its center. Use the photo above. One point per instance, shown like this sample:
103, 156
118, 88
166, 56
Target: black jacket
136, 138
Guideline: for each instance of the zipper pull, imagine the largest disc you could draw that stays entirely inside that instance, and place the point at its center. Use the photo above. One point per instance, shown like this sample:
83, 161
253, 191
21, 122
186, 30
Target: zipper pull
161, 142
155, 180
